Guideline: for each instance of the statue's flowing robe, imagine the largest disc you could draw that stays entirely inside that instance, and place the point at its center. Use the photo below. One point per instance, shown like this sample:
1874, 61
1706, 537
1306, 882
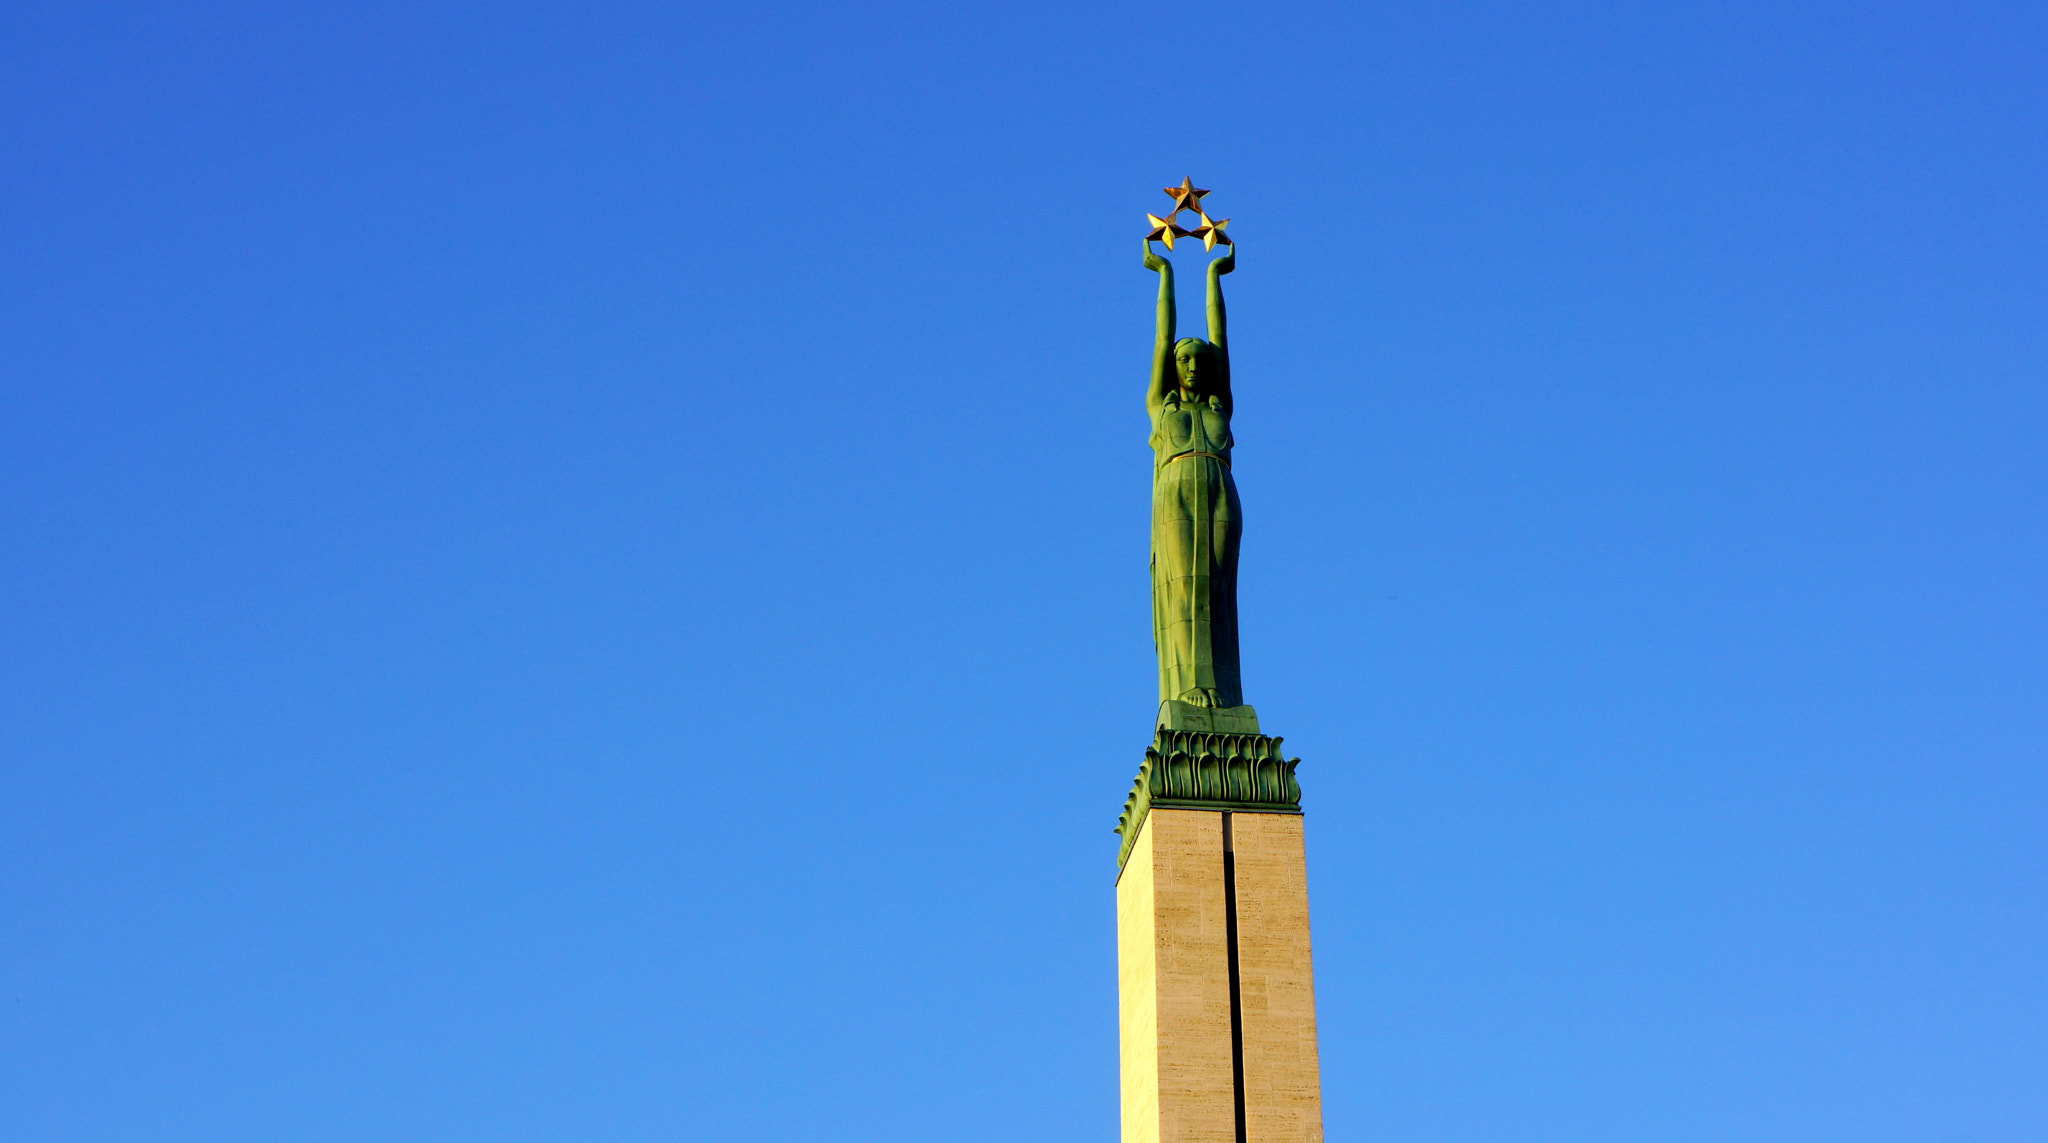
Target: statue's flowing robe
1196, 526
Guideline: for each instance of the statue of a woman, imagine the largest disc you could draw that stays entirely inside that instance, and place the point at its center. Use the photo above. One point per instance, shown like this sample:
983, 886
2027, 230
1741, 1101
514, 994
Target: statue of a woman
1196, 520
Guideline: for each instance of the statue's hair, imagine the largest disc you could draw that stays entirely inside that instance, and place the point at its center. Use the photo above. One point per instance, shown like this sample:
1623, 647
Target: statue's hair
1205, 346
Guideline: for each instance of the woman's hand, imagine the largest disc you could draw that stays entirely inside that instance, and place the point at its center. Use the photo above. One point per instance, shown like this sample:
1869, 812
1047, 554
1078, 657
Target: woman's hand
1153, 262
1227, 263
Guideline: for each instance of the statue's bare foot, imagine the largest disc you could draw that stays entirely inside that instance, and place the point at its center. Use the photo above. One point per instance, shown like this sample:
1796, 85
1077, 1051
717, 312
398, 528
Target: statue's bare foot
1200, 697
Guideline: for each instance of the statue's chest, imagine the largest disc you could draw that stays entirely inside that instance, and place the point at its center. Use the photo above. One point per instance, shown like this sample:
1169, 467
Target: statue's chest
1190, 428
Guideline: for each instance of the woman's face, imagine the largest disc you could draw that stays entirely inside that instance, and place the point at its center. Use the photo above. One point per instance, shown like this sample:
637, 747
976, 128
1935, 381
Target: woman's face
1188, 360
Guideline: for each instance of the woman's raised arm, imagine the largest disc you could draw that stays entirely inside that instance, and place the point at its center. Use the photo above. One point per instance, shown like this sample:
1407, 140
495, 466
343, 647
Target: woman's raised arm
1164, 378
1218, 332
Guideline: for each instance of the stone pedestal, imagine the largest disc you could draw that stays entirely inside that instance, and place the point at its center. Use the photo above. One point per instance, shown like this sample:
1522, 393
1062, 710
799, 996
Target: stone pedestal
1216, 992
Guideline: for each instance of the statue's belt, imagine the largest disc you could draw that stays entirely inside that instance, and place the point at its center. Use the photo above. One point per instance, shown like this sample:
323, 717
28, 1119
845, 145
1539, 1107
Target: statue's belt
1210, 455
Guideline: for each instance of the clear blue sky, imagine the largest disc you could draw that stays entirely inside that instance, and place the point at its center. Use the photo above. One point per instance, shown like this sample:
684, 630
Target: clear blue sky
577, 572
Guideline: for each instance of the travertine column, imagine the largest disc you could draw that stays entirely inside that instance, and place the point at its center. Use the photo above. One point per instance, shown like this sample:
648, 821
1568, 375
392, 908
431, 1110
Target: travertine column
1186, 1038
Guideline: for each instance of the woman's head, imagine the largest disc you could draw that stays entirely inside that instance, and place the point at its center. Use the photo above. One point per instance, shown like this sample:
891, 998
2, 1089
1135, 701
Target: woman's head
1195, 362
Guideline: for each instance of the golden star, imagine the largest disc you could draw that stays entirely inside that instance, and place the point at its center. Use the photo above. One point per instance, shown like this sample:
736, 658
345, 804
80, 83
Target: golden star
1164, 230
1186, 196
1211, 231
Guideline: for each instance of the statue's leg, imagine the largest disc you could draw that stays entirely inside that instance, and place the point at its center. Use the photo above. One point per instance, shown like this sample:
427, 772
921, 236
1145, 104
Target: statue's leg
1160, 627
1173, 583
1199, 480
1226, 532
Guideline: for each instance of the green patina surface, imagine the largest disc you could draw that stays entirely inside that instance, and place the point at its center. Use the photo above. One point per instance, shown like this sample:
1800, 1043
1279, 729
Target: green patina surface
1198, 770
1197, 521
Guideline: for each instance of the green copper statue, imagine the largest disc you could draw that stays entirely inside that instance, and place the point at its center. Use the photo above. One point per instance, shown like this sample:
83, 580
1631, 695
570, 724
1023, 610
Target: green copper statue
1207, 750
1196, 520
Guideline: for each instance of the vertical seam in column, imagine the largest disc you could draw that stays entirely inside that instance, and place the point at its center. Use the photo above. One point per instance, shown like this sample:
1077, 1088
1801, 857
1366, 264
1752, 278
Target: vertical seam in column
1236, 1003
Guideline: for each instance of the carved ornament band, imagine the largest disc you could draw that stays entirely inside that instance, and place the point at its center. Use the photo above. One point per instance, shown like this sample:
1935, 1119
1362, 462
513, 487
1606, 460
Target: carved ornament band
1199, 770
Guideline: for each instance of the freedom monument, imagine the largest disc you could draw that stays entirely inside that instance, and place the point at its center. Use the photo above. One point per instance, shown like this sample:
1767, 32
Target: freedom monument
1216, 997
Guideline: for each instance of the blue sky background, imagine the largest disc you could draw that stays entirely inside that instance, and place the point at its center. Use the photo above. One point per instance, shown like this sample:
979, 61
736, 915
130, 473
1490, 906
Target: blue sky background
577, 572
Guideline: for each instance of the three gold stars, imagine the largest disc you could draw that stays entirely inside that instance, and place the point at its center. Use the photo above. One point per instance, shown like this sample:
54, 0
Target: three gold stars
1188, 196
